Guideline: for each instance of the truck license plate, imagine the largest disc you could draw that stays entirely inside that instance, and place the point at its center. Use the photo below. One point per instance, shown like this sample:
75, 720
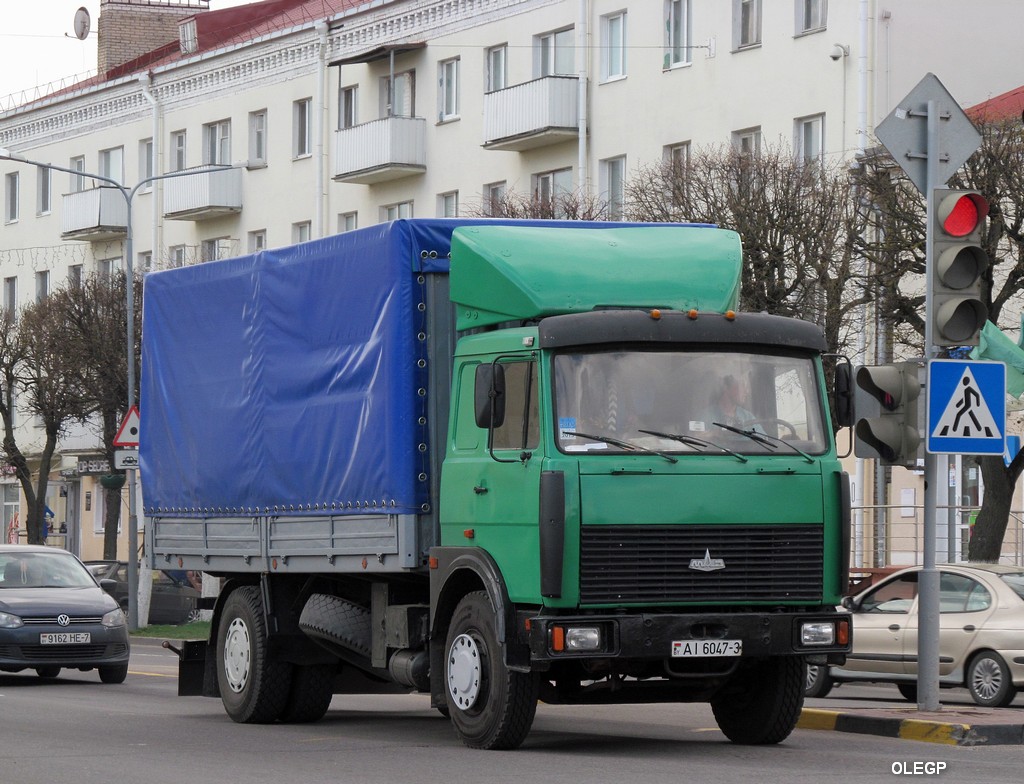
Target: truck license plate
65, 638
706, 648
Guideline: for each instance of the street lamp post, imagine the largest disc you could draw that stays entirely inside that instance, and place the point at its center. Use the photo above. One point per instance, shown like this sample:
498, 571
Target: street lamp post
128, 195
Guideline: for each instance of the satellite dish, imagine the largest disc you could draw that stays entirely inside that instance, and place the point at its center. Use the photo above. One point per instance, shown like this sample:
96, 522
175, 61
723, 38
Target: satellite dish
82, 22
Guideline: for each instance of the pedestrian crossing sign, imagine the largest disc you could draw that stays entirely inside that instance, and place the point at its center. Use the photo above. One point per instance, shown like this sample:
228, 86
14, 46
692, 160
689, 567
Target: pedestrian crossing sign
966, 407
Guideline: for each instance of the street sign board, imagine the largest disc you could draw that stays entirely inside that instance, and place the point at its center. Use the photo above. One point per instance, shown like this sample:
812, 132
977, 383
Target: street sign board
126, 458
966, 407
128, 433
904, 133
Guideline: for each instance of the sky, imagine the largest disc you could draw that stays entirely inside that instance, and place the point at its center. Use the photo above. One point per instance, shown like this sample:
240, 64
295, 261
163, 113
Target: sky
38, 44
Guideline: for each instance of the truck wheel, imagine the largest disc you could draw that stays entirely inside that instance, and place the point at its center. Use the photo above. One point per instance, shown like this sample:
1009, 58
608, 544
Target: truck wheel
253, 688
989, 681
819, 682
490, 706
762, 701
310, 694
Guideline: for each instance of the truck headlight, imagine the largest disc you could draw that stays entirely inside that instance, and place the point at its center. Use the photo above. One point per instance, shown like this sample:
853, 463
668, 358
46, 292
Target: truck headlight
584, 638
818, 633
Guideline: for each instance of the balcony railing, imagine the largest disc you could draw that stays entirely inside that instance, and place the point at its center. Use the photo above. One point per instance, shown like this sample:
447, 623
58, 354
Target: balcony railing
207, 193
96, 215
379, 150
533, 114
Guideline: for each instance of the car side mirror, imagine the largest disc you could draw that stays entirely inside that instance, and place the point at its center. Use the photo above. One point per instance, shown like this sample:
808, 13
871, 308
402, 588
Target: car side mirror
848, 603
108, 585
489, 395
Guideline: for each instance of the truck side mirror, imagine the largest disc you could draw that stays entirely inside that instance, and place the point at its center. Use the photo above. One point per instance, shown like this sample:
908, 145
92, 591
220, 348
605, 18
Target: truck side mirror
844, 394
489, 395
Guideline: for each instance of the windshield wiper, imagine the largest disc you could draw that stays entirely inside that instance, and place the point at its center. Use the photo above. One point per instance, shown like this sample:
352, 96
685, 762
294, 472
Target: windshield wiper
693, 441
764, 438
617, 442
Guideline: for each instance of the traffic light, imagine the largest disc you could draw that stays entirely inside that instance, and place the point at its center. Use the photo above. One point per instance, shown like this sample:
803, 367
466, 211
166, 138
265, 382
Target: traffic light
957, 267
886, 410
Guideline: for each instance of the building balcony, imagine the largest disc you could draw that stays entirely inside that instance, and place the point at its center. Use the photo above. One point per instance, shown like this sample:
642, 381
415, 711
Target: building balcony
380, 150
533, 114
205, 193
96, 215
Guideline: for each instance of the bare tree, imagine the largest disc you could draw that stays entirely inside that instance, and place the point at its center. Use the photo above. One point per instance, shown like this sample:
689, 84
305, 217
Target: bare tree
563, 205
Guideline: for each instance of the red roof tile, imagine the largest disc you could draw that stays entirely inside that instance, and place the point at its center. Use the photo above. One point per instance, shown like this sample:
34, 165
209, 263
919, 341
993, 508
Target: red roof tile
1008, 106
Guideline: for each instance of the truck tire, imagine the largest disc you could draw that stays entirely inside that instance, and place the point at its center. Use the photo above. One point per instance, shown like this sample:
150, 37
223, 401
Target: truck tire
762, 701
310, 695
253, 688
333, 622
490, 706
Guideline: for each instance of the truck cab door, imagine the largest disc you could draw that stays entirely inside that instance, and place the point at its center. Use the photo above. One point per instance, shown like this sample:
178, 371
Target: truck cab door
490, 482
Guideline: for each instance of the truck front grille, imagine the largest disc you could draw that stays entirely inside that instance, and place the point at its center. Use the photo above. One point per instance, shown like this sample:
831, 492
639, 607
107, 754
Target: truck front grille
652, 563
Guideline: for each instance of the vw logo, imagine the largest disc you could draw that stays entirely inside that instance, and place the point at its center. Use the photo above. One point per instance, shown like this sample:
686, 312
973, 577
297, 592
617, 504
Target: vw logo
64, 620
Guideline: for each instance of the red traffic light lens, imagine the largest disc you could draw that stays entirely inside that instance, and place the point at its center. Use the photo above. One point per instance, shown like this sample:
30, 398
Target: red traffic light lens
965, 216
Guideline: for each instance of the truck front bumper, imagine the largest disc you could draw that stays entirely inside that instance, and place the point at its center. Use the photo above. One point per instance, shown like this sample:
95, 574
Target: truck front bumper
638, 636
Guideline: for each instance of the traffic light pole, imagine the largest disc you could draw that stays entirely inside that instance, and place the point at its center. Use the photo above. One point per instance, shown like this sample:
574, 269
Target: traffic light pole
928, 586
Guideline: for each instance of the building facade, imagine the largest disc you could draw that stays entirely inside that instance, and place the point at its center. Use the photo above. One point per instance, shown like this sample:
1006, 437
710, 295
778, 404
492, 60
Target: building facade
285, 120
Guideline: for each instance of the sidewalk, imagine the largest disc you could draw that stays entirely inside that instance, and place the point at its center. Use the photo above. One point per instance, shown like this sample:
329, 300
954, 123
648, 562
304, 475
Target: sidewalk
953, 725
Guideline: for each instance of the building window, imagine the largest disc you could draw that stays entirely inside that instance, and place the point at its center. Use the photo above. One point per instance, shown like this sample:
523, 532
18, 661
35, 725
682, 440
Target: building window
613, 46
677, 33
811, 15
11, 193
809, 138
497, 68
555, 53
302, 128
146, 169
302, 231
448, 205
44, 190
144, 261
448, 90
178, 159
747, 141
494, 198
347, 106
258, 138
77, 180
257, 240
613, 186
678, 156
347, 221
403, 103
42, 285
11, 295
217, 143
177, 255
12, 505
107, 268
746, 22
550, 189
75, 275
112, 164
398, 211
216, 248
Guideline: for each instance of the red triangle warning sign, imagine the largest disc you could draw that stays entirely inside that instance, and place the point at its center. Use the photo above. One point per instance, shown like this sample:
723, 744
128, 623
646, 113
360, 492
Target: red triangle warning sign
128, 434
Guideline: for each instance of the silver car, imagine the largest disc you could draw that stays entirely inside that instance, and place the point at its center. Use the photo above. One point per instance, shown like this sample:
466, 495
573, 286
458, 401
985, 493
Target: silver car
981, 634
54, 615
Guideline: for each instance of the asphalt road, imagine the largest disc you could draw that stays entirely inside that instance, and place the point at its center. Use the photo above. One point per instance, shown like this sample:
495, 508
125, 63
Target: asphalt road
77, 730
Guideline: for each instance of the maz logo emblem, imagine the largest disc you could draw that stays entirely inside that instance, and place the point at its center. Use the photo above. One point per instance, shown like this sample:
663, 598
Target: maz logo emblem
707, 563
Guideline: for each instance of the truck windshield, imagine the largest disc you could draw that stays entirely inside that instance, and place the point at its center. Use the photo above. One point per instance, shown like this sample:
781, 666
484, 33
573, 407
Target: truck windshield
728, 403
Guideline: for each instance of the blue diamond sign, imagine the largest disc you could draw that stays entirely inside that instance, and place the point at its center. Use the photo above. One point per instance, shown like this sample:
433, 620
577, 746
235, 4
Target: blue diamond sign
966, 407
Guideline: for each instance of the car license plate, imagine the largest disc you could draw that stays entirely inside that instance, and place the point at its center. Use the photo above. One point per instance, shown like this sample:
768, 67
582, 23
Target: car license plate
65, 638
706, 648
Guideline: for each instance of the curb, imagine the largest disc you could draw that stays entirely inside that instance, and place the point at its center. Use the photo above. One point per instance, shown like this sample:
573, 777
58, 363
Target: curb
951, 733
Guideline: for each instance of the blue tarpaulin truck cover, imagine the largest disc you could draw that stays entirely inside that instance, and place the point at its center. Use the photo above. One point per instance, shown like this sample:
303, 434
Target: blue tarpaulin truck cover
288, 381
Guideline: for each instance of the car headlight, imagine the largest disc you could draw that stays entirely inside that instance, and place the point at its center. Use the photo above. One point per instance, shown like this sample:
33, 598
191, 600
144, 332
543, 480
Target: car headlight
114, 618
8, 621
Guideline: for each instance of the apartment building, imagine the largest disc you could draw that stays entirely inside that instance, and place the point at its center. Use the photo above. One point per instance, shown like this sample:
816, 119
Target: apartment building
266, 124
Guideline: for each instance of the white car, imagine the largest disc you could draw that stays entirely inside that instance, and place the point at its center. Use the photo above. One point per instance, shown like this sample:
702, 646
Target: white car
981, 634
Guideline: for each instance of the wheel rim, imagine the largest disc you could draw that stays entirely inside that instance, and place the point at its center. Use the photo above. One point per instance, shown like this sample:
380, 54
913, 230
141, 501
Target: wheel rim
986, 678
464, 671
812, 675
236, 655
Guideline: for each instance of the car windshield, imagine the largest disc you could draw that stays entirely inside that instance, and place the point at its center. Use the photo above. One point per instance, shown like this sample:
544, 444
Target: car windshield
688, 402
1015, 581
43, 570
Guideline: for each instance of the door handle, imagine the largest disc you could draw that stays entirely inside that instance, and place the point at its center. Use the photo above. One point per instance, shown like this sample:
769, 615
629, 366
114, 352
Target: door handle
970, 628
479, 489
894, 627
